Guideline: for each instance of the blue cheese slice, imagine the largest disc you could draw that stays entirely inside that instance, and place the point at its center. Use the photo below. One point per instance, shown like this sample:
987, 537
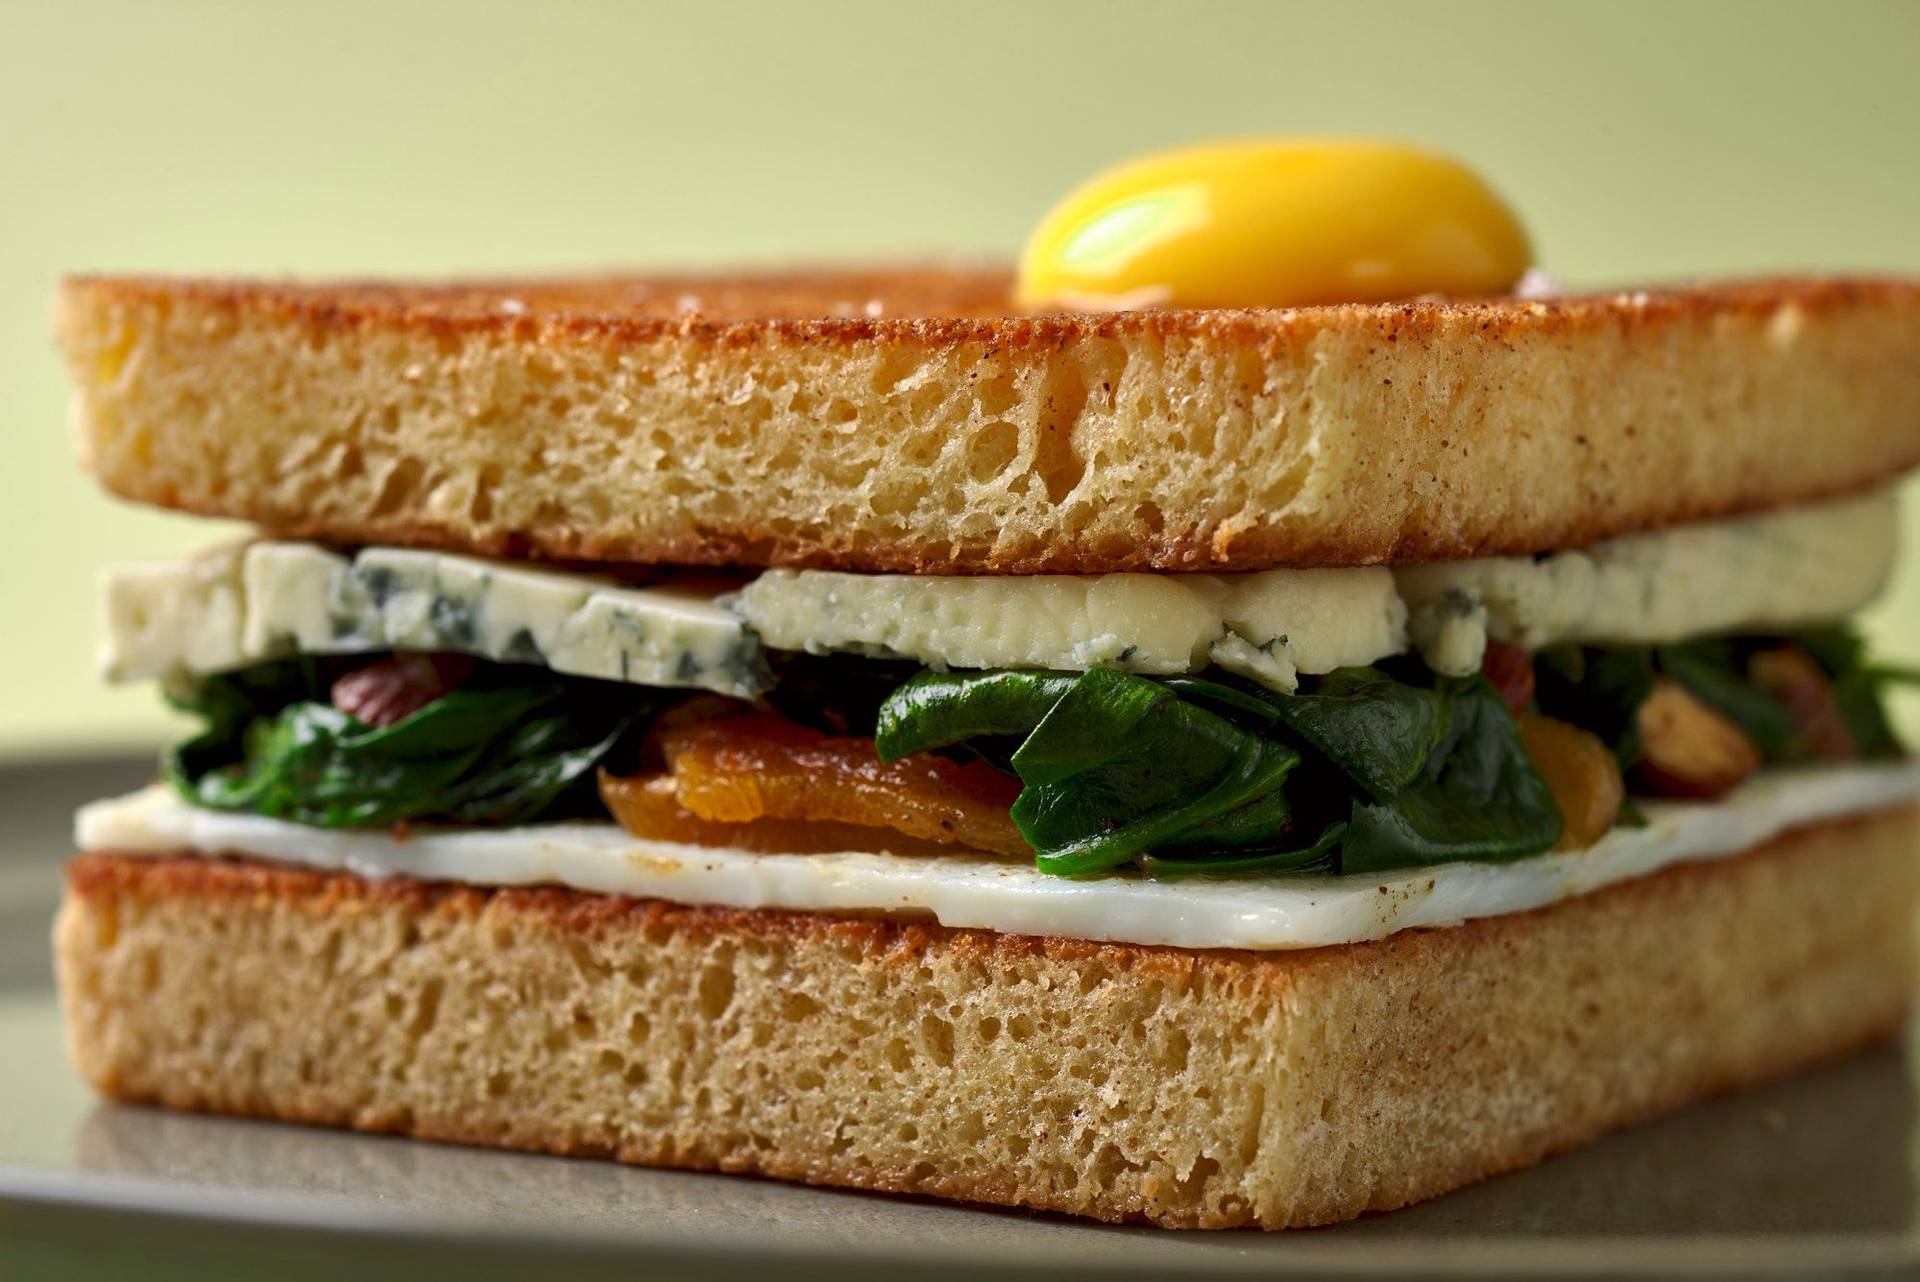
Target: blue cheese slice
234, 605
1310, 620
302, 598
243, 605
432, 601
680, 638
1795, 566
1268, 626
158, 619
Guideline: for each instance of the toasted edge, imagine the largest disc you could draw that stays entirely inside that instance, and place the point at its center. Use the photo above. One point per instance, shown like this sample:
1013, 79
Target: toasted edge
772, 420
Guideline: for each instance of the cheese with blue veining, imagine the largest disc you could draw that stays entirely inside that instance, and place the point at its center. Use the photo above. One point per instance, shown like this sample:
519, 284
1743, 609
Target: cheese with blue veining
1266, 626
236, 605
241, 606
1758, 573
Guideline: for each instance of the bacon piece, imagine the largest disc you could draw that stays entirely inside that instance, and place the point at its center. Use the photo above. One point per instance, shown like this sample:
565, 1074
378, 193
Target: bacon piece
392, 689
729, 774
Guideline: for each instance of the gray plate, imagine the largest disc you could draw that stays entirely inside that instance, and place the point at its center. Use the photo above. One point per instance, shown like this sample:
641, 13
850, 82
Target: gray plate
1812, 1176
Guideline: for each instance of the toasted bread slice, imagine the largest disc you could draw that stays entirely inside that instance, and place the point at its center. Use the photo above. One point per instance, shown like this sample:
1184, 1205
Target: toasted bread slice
1121, 1081
890, 421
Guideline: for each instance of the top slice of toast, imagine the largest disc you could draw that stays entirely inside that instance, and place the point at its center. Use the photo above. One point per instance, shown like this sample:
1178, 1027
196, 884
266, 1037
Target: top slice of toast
911, 420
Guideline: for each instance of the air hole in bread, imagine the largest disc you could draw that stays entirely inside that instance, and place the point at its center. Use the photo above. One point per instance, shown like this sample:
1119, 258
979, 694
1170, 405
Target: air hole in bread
936, 1035
716, 991
398, 487
1056, 459
991, 448
898, 1055
896, 366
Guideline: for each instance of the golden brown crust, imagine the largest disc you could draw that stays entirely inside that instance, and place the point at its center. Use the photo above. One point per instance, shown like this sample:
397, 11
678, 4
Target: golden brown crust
951, 306
907, 420
1186, 1088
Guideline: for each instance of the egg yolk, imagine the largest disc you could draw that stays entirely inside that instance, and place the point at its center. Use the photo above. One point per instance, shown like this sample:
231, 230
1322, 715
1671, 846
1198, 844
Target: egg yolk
1274, 223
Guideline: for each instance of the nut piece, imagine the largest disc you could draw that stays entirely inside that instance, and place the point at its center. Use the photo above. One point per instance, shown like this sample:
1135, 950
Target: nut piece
1581, 773
1797, 684
1690, 749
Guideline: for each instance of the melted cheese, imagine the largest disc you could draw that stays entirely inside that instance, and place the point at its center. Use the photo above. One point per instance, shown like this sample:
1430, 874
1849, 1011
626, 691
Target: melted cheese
993, 894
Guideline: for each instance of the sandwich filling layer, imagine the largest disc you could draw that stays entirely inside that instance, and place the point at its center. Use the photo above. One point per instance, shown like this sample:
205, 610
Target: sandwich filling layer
996, 894
1291, 723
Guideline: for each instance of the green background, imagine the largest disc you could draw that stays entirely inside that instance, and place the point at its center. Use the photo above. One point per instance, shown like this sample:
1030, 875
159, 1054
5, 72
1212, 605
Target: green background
1639, 141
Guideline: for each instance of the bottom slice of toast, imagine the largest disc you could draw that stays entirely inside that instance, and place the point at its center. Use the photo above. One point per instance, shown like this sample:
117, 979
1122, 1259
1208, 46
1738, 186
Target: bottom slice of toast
1186, 1088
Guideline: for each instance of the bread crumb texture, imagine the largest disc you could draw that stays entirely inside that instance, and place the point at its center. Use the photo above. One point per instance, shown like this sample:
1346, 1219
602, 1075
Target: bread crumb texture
1207, 1089
908, 420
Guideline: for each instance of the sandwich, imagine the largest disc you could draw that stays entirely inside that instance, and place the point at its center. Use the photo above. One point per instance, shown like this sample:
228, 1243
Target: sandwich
1101, 747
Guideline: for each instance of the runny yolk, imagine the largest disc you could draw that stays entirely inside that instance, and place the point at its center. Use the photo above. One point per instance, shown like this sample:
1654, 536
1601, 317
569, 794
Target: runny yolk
1274, 223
